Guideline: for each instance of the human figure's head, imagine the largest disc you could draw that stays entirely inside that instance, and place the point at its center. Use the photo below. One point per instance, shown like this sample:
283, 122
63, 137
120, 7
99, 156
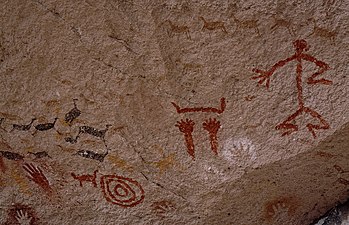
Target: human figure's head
301, 45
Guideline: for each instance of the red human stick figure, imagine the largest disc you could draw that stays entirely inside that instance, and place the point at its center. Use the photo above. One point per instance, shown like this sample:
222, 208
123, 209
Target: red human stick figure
264, 77
212, 126
187, 127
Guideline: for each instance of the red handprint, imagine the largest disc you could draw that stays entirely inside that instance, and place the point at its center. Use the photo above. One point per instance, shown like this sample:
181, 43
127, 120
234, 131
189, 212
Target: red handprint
187, 127
263, 77
36, 175
212, 126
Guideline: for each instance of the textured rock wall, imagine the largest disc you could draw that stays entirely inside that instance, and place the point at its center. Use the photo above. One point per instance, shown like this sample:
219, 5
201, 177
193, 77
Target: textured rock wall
173, 112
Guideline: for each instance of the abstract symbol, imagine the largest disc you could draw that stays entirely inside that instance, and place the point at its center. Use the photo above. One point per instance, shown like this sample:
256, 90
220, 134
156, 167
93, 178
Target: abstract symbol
118, 190
121, 190
211, 125
36, 175
201, 109
264, 77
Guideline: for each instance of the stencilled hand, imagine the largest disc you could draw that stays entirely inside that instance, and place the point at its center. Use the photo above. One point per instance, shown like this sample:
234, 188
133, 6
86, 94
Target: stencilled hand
23, 218
280, 212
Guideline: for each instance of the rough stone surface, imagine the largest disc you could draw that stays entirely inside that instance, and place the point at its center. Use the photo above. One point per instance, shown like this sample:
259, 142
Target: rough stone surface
113, 72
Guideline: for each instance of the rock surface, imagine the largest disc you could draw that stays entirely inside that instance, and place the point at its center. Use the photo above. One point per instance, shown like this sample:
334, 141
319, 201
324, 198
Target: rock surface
173, 112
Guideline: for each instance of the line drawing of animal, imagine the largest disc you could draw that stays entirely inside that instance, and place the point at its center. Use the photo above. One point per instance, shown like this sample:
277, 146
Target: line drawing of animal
46, 126
246, 24
183, 29
71, 139
279, 22
73, 113
11, 155
93, 131
92, 155
323, 32
213, 25
187, 67
86, 178
39, 155
21, 127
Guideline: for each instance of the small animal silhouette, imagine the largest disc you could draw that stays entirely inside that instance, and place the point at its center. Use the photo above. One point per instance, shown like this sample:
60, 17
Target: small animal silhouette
279, 22
93, 131
92, 155
178, 29
322, 32
86, 178
72, 114
22, 127
213, 25
246, 24
11, 155
46, 126
39, 155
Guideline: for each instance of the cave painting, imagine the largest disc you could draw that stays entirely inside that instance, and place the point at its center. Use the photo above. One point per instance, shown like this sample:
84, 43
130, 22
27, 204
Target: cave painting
280, 209
339, 175
118, 190
210, 125
163, 207
22, 215
36, 174
264, 77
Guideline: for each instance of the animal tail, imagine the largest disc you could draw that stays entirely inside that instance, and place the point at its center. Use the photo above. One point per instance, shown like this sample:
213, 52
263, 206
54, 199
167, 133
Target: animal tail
74, 175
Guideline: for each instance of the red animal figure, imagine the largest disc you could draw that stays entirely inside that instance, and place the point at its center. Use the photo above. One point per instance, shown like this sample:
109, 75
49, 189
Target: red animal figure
299, 56
86, 178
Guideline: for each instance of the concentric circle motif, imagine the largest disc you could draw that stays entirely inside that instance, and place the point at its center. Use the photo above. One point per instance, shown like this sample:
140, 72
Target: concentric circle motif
122, 191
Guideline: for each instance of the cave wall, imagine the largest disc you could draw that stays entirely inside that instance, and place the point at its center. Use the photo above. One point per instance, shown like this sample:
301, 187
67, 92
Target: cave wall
173, 112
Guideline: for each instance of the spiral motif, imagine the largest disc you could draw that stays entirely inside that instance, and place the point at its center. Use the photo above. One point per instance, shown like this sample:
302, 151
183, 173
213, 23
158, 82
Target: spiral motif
122, 191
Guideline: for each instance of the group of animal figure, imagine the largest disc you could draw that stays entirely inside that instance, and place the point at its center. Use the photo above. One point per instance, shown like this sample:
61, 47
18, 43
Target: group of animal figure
70, 116
248, 24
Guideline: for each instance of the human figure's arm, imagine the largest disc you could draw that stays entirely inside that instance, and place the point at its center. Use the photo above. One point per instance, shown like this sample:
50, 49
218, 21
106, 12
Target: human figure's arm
323, 67
265, 75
